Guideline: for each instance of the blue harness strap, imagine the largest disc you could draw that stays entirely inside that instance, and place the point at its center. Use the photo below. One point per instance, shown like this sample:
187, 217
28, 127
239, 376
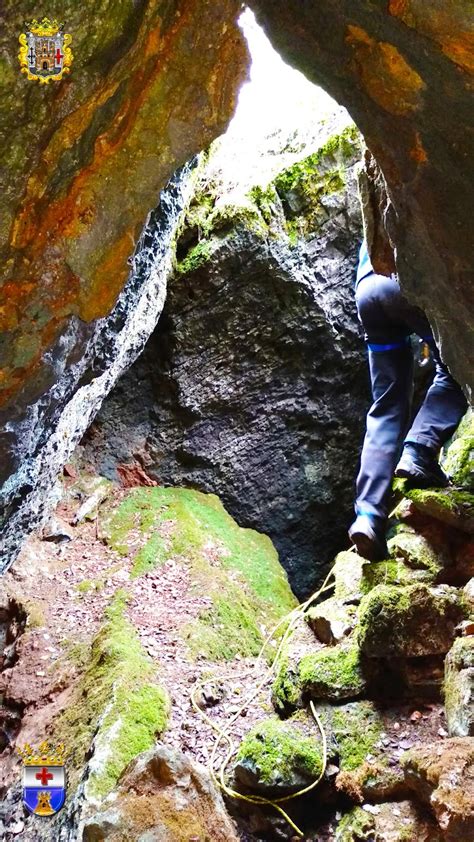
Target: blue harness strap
390, 346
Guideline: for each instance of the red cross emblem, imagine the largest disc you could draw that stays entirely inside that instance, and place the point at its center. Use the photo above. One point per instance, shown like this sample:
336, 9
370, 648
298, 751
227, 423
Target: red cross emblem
58, 56
44, 776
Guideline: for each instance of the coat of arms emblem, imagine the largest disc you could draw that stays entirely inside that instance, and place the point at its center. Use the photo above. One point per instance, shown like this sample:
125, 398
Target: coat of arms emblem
44, 779
45, 52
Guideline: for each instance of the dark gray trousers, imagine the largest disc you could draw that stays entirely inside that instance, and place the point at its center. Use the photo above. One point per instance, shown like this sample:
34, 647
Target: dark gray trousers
389, 320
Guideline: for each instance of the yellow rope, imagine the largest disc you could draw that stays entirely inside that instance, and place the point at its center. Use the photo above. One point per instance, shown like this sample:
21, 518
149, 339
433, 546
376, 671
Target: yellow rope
291, 619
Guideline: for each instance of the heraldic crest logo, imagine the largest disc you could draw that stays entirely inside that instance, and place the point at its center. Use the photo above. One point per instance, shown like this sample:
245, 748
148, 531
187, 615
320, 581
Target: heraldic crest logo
45, 52
44, 778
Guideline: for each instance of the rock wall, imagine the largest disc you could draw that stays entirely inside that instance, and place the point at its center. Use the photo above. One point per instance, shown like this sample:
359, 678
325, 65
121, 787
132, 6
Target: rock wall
404, 70
254, 384
83, 164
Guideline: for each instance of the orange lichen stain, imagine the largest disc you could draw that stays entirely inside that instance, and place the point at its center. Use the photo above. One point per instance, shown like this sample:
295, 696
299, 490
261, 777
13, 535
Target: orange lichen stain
418, 152
460, 49
100, 294
397, 8
385, 74
447, 22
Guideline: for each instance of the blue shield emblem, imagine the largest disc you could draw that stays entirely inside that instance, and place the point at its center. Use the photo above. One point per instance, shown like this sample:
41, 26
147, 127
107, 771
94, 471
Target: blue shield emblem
44, 789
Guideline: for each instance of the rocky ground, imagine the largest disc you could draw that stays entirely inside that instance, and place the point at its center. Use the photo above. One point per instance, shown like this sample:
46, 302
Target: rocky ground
131, 597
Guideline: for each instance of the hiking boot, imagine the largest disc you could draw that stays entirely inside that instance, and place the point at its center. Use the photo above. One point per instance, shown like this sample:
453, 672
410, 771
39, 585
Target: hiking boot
419, 465
369, 538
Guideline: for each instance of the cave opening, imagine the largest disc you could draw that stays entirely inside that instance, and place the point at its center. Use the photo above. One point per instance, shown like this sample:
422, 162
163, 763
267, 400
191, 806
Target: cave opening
253, 385
229, 432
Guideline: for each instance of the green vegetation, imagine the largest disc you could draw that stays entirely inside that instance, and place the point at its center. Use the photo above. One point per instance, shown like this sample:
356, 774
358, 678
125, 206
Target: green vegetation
210, 218
238, 569
286, 689
459, 460
117, 694
278, 751
357, 728
408, 621
333, 673
356, 825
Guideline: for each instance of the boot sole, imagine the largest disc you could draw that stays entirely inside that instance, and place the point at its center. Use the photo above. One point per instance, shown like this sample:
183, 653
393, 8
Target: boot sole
366, 547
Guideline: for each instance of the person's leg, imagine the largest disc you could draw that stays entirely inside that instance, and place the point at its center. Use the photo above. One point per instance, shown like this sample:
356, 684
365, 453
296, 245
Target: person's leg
391, 374
437, 418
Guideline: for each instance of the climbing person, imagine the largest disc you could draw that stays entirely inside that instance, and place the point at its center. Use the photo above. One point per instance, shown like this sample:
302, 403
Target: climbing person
390, 444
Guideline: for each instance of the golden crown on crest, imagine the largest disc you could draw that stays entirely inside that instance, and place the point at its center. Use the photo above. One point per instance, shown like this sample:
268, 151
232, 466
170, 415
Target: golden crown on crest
45, 755
44, 27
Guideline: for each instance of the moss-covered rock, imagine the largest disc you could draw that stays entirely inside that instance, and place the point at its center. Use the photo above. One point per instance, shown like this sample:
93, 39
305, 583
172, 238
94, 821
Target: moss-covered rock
287, 689
163, 795
409, 621
448, 505
459, 688
305, 187
279, 756
237, 569
355, 826
459, 460
118, 699
334, 673
349, 570
419, 556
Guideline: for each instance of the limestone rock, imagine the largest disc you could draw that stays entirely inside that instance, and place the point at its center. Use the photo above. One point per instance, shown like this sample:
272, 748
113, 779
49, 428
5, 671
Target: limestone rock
56, 529
334, 673
279, 757
442, 776
331, 620
469, 594
392, 822
448, 505
459, 688
459, 460
418, 554
349, 571
409, 621
163, 795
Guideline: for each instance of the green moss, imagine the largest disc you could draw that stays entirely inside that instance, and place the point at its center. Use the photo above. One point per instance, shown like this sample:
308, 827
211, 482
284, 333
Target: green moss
119, 680
238, 569
459, 460
332, 673
286, 689
408, 621
356, 825
197, 257
449, 501
265, 200
395, 572
357, 728
418, 555
316, 176
277, 750
229, 628
86, 586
